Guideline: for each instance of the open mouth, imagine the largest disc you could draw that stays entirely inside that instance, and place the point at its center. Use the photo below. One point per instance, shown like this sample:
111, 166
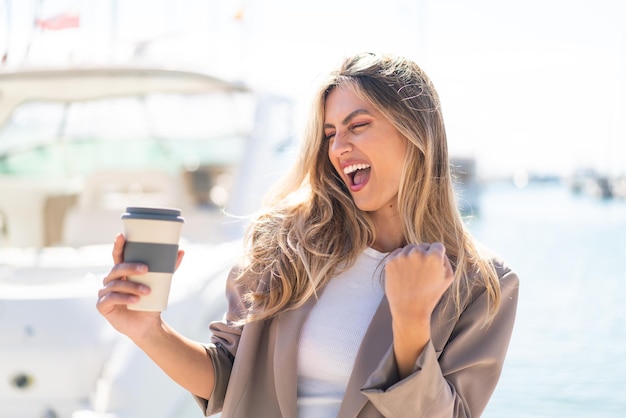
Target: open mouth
358, 173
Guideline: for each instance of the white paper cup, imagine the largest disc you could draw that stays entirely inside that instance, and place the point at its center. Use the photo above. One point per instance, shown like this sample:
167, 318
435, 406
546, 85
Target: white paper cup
152, 236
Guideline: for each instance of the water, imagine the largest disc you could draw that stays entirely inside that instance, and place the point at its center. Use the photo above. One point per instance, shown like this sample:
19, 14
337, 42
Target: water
567, 355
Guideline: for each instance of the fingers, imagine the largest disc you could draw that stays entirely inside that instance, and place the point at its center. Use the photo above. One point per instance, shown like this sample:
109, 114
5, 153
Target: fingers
447, 266
424, 248
109, 300
123, 287
117, 290
410, 248
437, 247
435, 251
122, 270
439, 250
179, 258
118, 249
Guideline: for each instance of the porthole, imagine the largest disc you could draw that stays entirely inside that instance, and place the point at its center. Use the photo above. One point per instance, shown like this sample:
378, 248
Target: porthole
22, 381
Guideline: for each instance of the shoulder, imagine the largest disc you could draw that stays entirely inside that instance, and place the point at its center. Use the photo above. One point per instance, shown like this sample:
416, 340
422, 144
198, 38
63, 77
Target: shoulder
507, 277
492, 280
504, 288
245, 289
503, 270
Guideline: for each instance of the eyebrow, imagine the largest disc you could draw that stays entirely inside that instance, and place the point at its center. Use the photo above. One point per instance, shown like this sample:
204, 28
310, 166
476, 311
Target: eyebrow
348, 118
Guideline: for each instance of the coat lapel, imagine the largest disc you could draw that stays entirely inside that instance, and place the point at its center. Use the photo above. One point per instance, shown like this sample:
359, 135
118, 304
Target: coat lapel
289, 325
376, 342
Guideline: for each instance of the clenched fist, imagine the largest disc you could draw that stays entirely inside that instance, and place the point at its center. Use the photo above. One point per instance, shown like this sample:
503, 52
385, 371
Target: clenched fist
416, 277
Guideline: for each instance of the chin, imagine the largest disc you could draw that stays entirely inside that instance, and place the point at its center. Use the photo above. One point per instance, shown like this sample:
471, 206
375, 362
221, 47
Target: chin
369, 205
365, 206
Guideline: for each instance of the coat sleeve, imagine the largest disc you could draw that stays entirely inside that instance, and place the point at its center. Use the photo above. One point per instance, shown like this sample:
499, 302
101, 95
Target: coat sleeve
223, 347
459, 380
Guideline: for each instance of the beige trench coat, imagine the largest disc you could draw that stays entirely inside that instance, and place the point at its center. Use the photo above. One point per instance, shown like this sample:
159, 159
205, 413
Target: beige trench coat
454, 376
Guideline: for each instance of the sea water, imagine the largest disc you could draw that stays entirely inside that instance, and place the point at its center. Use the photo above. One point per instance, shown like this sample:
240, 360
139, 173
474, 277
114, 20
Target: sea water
567, 356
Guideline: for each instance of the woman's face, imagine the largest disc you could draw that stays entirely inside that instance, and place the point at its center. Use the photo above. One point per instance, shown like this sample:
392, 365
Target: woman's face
366, 150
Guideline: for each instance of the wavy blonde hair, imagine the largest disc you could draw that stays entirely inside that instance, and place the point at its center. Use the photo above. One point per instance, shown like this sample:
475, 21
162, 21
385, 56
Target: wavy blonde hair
310, 228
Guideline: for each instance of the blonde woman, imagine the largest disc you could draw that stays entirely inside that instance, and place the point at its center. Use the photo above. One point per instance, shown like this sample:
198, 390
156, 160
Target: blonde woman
362, 294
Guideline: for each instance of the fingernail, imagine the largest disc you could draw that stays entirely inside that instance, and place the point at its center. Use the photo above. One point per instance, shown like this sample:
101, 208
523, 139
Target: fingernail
144, 289
142, 268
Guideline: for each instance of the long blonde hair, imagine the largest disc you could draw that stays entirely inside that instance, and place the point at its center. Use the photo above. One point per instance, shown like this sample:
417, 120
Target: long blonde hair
310, 228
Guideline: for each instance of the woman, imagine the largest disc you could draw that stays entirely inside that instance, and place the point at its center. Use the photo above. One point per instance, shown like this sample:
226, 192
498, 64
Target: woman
362, 293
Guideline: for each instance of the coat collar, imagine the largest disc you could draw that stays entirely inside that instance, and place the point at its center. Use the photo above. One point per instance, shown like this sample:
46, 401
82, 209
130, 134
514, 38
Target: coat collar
376, 342
289, 325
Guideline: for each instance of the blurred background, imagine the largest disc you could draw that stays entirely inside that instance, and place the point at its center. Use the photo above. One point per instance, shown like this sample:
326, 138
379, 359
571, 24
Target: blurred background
534, 98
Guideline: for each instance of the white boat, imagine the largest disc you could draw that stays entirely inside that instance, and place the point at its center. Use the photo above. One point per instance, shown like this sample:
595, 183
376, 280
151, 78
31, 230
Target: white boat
67, 173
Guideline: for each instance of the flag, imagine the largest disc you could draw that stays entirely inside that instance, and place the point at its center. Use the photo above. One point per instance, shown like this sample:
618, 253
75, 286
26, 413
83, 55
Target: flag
62, 21
239, 14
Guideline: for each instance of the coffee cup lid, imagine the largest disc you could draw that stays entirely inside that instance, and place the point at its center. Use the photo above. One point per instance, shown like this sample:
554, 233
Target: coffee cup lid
154, 213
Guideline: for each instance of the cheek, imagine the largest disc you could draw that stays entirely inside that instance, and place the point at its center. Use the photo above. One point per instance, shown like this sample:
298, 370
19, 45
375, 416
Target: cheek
395, 169
393, 176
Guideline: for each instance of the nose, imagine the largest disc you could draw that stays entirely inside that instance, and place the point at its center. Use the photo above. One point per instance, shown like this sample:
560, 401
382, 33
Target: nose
340, 144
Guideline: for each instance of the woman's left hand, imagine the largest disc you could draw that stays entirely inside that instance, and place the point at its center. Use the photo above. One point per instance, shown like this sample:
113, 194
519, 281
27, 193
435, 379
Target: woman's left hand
416, 277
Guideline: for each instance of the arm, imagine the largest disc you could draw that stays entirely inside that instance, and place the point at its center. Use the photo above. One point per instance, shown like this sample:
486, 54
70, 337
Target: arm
416, 277
458, 379
185, 361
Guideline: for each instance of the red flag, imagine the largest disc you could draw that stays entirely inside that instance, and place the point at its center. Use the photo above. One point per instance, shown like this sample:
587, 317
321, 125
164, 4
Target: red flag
62, 21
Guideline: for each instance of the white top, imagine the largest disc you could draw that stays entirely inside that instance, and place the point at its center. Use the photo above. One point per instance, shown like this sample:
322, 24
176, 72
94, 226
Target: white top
332, 335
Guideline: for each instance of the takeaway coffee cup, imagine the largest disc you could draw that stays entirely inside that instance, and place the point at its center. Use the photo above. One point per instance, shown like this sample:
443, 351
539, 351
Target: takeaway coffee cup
152, 236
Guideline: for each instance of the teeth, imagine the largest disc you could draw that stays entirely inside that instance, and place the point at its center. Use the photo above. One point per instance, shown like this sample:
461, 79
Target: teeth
354, 167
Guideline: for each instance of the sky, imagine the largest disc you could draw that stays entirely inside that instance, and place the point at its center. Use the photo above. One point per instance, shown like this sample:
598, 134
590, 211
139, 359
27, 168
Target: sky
534, 85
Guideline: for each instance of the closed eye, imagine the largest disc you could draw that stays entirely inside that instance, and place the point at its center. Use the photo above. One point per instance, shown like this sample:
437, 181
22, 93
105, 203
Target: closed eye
358, 126
354, 128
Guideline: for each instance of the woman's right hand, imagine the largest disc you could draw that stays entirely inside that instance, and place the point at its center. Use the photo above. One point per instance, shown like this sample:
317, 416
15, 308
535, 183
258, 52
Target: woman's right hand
118, 292
184, 360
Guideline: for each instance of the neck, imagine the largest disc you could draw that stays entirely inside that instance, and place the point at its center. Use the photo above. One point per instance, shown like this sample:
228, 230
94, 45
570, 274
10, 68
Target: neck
389, 232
